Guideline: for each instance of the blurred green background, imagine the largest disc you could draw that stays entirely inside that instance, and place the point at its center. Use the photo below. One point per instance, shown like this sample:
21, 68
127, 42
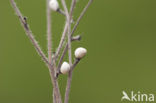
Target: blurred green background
120, 36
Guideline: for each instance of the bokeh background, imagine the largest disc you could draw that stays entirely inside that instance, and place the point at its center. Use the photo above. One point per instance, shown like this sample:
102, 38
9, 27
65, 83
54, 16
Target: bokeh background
120, 36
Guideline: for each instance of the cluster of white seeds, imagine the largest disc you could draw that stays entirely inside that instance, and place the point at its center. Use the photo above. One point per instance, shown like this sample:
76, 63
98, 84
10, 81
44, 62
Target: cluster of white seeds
79, 54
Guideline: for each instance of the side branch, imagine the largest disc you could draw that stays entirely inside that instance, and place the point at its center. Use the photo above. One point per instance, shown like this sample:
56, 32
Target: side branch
67, 46
76, 38
29, 33
80, 17
37, 47
65, 28
72, 7
61, 41
69, 31
76, 25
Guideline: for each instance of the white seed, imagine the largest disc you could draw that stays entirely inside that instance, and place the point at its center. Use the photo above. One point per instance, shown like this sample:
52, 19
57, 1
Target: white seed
65, 68
80, 52
54, 5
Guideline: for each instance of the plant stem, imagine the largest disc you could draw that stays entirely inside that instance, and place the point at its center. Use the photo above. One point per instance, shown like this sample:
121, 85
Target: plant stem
50, 61
38, 49
61, 41
72, 7
49, 38
29, 33
49, 33
61, 59
80, 17
56, 92
65, 30
77, 23
69, 18
69, 31
76, 38
71, 71
55, 86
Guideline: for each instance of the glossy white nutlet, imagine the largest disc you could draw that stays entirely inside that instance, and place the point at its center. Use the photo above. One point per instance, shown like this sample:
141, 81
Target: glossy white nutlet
65, 68
80, 52
54, 5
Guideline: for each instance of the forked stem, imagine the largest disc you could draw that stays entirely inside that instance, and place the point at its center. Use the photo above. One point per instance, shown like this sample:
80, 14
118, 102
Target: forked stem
69, 79
50, 61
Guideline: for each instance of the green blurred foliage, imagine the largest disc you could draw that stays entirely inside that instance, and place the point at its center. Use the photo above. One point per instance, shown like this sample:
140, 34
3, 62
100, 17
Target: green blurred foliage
120, 36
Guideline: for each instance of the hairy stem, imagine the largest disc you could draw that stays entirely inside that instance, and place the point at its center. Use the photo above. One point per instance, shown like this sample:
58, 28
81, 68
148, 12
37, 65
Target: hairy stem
37, 47
76, 38
69, 30
77, 23
56, 91
65, 30
29, 33
49, 44
50, 61
69, 52
61, 41
49, 33
67, 46
72, 7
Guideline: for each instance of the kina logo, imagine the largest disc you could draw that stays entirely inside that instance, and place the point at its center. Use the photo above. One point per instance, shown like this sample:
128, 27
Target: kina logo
137, 97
